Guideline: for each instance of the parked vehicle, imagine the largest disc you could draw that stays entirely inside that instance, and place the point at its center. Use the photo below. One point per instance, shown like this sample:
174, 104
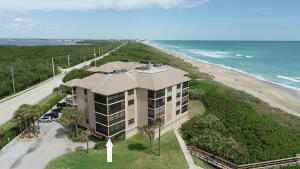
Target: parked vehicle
58, 109
52, 114
45, 119
62, 104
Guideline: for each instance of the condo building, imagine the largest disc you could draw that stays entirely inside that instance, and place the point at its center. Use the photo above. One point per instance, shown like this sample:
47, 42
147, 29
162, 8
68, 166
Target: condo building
121, 96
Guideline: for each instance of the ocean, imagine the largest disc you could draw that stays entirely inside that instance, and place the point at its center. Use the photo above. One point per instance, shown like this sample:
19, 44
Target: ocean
36, 42
277, 62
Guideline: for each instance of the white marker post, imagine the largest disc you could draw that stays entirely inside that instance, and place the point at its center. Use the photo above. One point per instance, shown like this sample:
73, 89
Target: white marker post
109, 147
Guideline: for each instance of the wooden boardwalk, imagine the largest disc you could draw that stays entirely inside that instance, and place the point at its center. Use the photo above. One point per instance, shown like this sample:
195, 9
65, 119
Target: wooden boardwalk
224, 164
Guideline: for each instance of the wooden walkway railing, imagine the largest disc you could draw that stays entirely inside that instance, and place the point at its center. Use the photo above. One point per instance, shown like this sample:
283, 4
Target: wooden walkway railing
221, 163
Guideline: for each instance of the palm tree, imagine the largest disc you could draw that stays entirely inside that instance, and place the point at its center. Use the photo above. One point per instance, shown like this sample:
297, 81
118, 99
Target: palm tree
88, 132
158, 122
71, 116
22, 115
146, 129
37, 112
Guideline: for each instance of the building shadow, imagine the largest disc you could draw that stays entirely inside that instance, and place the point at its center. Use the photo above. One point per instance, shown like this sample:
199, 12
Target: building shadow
60, 133
138, 147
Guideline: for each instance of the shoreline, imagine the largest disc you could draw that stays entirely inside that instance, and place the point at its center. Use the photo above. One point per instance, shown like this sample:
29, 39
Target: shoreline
274, 94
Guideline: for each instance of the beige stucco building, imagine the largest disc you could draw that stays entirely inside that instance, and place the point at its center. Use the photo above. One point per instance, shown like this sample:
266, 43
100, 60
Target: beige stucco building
121, 96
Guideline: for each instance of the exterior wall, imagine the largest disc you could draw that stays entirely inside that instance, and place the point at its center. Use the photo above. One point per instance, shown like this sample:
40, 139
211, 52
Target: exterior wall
91, 110
81, 105
142, 107
131, 113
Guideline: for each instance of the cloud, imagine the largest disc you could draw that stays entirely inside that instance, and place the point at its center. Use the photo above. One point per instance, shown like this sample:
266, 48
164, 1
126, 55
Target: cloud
21, 22
31, 5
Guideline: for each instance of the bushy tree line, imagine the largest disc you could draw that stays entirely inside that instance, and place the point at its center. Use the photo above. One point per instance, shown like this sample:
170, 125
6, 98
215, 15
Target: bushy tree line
33, 64
76, 74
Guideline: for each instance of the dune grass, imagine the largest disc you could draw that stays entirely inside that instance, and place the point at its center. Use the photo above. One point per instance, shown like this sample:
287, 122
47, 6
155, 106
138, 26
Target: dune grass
131, 153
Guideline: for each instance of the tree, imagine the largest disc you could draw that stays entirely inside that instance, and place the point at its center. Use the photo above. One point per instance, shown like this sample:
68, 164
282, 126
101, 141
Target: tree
57, 89
71, 116
88, 132
23, 115
76, 74
36, 112
146, 129
158, 122
1, 132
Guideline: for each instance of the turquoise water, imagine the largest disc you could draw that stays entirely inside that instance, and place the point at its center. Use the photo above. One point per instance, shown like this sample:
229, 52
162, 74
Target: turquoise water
272, 61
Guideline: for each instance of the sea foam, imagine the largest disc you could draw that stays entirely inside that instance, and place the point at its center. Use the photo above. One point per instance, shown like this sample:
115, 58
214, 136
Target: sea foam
294, 79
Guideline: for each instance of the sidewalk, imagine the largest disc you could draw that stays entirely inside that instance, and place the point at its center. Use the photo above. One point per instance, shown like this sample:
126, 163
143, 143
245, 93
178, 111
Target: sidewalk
186, 152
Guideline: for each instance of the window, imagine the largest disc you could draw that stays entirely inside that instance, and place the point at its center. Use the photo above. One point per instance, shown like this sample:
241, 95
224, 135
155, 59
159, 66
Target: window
101, 129
151, 94
116, 118
160, 102
160, 93
185, 92
170, 89
100, 98
150, 113
179, 86
131, 121
116, 97
130, 102
151, 104
178, 94
185, 85
177, 111
85, 91
101, 119
116, 128
184, 109
178, 103
87, 121
100, 108
116, 107
169, 98
185, 100
160, 112
130, 92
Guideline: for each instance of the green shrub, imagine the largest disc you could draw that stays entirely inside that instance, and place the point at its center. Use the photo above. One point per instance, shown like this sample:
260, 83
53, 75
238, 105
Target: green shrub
100, 145
76, 74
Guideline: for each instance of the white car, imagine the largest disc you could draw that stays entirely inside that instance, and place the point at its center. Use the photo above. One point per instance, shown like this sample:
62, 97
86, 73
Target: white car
45, 119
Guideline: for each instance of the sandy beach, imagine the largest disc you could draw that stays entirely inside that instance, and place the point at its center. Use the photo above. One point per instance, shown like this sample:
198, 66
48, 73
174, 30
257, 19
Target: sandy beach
275, 96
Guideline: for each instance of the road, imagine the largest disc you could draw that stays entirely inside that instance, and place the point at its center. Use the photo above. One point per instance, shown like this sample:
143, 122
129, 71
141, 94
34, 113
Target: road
36, 94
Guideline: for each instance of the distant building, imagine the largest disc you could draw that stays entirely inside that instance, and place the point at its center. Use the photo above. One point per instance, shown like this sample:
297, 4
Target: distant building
121, 96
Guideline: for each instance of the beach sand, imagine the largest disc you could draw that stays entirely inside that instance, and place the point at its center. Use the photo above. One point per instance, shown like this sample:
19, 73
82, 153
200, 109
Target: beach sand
275, 96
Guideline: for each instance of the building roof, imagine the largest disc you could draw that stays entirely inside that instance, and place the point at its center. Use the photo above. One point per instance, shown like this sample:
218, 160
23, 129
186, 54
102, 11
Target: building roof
111, 66
72, 83
155, 78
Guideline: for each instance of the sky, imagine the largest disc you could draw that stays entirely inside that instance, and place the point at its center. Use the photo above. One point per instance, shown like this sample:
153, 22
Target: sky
151, 19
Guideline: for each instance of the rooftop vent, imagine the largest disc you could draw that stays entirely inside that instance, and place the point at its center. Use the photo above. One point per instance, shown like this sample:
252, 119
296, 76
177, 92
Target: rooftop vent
158, 65
116, 71
147, 67
145, 62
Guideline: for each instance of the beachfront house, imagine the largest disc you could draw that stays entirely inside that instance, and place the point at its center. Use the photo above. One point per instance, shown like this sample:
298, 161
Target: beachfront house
121, 96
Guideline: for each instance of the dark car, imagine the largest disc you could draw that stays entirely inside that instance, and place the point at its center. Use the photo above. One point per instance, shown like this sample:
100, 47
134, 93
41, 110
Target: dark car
58, 109
62, 104
52, 114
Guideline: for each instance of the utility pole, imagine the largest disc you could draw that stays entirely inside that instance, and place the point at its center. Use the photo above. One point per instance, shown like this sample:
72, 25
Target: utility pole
59, 61
12, 77
99, 52
95, 56
53, 68
69, 60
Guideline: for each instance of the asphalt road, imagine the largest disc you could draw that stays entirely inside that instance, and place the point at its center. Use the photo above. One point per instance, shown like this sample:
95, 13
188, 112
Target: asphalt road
33, 96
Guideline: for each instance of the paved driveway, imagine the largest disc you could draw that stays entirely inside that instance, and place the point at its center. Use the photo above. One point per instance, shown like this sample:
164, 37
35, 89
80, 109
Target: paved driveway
46, 148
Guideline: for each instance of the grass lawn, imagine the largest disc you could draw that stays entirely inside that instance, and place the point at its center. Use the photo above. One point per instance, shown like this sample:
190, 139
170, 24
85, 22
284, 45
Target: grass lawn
132, 153
196, 107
